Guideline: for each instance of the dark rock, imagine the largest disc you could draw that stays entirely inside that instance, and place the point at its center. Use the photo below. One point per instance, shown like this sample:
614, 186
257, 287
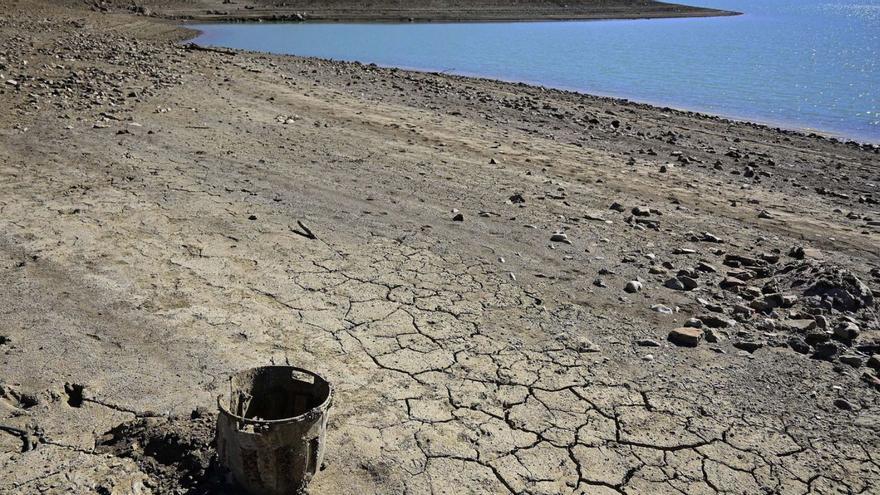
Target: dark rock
799, 345
748, 345
686, 336
825, 350
633, 286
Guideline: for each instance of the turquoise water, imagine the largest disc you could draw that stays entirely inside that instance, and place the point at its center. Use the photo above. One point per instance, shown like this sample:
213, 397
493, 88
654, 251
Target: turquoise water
806, 64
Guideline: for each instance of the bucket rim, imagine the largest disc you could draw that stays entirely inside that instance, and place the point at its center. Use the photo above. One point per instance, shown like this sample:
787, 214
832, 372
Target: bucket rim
323, 406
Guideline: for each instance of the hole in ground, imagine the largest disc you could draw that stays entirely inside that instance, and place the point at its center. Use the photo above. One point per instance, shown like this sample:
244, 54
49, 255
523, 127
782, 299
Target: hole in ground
74, 393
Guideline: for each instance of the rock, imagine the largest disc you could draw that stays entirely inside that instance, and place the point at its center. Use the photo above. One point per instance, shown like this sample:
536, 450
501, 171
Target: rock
617, 207
647, 343
585, 345
674, 284
816, 336
694, 323
599, 283
560, 237
845, 291
633, 286
843, 404
458, 218
853, 360
688, 282
798, 345
707, 237
764, 214
711, 335
713, 321
874, 362
801, 326
516, 198
846, 330
739, 309
493, 161
686, 336
731, 283
825, 350
706, 267
871, 380
660, 308
748, 345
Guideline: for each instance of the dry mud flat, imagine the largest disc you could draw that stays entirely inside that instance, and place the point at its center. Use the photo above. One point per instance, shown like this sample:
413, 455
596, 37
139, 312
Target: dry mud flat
150, 243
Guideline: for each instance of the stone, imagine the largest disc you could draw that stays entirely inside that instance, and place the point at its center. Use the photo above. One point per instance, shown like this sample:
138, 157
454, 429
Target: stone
633, 286
874, 362
688, 282
748, 345
647, 343
853, 360
711, 336
798, 345
731, 283
713, 321
585, 345
825, 350
694, 323
686, 336
458, 218
846, 330
706, 267
663, 309
560, 237
674, 283
843, 404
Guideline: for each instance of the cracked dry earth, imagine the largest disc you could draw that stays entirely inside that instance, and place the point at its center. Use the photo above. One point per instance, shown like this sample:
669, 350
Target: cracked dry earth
148, 249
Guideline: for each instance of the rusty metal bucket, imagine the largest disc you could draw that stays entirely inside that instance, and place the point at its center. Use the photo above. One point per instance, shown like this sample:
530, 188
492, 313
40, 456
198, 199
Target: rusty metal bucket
271, 428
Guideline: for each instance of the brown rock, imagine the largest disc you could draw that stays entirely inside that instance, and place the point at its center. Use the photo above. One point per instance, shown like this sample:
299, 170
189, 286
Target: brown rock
686, 336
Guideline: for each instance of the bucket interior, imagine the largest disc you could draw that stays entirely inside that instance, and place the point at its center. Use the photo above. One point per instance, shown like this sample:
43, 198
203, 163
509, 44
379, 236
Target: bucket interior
276, 392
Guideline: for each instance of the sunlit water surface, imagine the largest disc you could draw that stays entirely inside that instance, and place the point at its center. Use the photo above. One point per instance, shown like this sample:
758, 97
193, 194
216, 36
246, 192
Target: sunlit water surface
807, 64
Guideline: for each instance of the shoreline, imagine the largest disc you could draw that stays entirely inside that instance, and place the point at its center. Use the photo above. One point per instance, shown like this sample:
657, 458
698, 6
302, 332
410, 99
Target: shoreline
770, 126
311, 11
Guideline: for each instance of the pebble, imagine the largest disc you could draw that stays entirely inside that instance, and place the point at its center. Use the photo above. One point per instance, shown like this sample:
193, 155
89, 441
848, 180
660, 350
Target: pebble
843, 404
647, 343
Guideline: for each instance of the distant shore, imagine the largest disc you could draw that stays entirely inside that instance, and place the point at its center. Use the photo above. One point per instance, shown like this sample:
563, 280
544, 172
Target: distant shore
429, 11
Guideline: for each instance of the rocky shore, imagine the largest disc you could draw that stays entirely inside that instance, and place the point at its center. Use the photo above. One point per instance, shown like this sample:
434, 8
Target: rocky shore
397, 11
513, 289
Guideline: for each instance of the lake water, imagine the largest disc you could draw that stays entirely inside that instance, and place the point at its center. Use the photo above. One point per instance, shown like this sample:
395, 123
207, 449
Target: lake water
807, 64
